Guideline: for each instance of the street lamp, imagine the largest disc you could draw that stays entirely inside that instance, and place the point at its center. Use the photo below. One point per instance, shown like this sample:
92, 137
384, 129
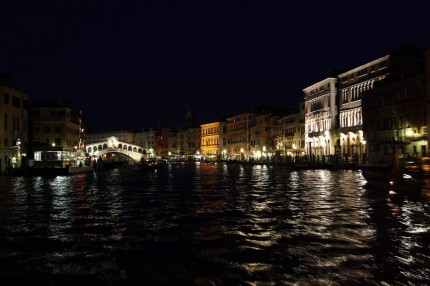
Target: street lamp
295, 151
197, 156
322, 147
363, 151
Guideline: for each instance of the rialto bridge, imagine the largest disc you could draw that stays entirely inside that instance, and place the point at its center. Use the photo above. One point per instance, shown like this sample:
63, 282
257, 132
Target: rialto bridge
112, 145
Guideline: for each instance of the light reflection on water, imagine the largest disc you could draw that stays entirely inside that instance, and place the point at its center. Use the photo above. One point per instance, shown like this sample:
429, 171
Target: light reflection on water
210, 223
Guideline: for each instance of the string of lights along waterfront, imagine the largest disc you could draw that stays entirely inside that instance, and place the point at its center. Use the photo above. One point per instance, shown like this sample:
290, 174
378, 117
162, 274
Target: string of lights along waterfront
210, 224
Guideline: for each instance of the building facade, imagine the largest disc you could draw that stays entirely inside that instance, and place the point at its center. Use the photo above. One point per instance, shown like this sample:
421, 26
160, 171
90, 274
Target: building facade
395, 111
238, 135
260, 136
14, 126
214, 140
161, 142
56, 124
321, 112
193, 141
352, 85
141, 139
293, 133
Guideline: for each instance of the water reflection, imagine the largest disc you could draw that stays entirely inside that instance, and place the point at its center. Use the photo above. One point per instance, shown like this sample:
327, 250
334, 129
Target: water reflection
210, 223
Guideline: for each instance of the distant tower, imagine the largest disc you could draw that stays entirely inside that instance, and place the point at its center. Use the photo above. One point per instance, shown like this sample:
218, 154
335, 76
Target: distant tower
190, 115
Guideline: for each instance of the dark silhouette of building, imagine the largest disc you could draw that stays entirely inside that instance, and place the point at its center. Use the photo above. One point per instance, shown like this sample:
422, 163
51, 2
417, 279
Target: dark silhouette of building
190, 115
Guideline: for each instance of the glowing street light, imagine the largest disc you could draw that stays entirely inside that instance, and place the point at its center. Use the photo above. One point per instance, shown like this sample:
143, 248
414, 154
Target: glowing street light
224, 153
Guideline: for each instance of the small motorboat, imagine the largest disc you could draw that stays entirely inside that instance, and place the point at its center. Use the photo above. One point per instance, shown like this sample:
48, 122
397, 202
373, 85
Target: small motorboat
148, 164
392, 180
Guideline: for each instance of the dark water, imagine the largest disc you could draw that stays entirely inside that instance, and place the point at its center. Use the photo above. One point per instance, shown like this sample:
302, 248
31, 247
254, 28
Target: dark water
210, 224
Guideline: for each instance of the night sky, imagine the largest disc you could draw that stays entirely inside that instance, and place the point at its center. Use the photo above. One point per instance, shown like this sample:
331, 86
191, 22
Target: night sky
133, 64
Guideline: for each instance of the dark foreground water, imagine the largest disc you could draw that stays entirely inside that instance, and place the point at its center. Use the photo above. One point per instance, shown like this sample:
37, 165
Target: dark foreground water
210, 224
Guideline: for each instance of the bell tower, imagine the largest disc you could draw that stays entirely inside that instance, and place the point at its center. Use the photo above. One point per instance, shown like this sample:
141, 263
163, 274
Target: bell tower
190, 115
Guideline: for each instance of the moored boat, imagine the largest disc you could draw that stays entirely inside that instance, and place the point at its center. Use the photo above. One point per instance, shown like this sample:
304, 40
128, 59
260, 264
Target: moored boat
392, 181
57, 161
148, 164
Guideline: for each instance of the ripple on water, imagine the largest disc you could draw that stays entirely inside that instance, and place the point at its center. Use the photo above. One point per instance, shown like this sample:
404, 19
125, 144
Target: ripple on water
210, 223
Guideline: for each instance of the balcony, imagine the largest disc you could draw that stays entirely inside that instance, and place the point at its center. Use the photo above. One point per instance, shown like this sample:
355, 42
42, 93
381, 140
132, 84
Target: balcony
413, 135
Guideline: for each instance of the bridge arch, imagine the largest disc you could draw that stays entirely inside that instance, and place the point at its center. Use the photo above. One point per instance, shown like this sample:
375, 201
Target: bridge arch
113, 145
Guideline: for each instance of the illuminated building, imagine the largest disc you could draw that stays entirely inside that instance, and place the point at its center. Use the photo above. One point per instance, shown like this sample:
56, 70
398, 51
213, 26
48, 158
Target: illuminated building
335, 112
292, 132
14, 125
56, 134
192, 146
141, 138
395, 111
352, 85
178, 145
154, 141
213, 140
260, 136
56, 124
320, 118
238, 138
161, 143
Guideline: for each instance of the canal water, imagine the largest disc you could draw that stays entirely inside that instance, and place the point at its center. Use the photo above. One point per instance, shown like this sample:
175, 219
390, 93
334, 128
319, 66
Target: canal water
210, 224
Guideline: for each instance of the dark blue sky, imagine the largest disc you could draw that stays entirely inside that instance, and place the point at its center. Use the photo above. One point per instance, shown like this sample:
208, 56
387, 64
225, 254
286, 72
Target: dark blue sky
130, 64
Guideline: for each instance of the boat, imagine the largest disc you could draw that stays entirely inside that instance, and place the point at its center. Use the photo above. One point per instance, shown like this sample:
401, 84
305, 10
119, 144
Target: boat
56, 161
393, 181
417, 167
148, 164
101, 165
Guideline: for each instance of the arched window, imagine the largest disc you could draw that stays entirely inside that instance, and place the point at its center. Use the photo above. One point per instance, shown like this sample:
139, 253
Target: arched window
124, 147
120, 146
134, 149
130, 148
139, 150
105, 146
360, 117
100, 147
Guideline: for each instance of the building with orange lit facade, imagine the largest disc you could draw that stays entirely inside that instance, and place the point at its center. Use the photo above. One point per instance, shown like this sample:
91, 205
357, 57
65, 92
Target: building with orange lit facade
161, 143
213, 140
260, 136
238, 135
14, 126
395, 111
293, 132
